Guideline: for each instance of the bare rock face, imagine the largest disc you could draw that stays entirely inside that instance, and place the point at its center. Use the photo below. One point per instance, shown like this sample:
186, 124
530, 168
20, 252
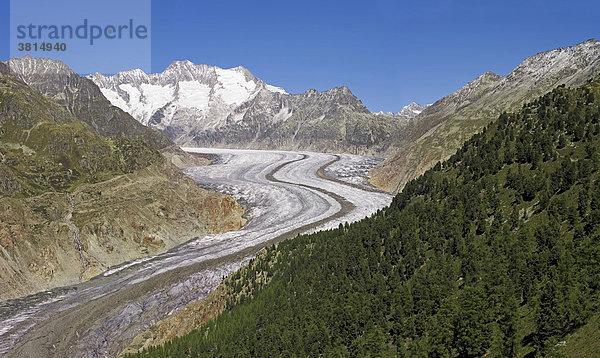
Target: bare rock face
441, 128
200, 105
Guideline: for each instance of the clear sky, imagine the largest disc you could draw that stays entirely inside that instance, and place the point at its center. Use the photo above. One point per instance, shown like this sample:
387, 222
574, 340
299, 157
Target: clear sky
388, 52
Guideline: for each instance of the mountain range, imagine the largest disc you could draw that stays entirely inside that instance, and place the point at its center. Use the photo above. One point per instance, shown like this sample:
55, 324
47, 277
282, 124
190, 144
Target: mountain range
201, 105
84, 100
412, 110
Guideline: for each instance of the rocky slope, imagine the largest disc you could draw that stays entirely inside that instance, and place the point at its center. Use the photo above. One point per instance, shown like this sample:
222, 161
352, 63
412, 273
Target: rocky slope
64, 189
189, 317
200, 105
441, 129
39, 246
181, 322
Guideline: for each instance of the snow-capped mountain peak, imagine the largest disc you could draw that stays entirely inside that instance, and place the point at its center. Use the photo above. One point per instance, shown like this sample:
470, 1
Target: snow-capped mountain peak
194, 104
206, 94
412, 110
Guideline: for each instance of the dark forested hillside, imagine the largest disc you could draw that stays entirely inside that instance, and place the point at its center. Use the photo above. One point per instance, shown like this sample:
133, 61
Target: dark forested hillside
494, 252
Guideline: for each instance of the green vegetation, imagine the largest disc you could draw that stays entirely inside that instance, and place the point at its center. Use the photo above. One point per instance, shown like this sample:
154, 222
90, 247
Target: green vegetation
494, 252
44, 148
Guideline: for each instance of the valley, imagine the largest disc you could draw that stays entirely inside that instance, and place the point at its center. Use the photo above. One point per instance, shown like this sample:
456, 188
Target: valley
285, 194
114, 239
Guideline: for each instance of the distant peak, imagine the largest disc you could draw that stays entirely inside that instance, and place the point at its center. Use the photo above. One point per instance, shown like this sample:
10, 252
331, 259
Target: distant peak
340, 91
335, 91
487, 77
189, 64
178, 64
39, 60
135, 71
412, 110
27, 65
239, 68
490, 75
96, 75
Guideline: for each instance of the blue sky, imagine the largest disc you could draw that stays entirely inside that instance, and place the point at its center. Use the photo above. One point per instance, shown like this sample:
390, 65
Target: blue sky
388, 52
92, 53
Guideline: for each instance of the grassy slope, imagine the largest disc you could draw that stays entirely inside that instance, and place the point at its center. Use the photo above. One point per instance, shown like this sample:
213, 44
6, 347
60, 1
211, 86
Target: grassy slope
43, 148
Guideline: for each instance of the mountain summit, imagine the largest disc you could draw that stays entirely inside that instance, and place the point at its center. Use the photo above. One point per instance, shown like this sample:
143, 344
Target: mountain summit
412, 110
184, 90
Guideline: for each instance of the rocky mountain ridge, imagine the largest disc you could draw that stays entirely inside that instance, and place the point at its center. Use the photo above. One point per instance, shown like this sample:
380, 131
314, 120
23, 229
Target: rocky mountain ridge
442, 127
201, 105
